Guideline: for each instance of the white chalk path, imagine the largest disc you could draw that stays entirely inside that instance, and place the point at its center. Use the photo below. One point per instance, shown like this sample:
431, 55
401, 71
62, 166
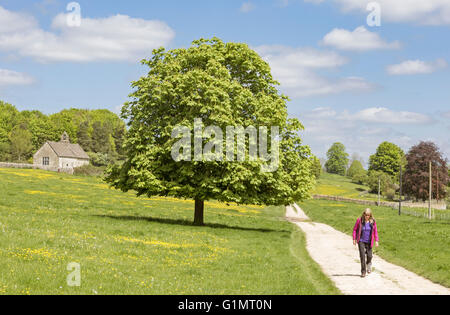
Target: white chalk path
339, 259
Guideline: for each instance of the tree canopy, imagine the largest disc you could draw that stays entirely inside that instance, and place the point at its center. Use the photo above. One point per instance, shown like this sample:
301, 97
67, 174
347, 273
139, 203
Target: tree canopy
416, 177
387, 159
337, 159
226, 85
356, 168
22, 133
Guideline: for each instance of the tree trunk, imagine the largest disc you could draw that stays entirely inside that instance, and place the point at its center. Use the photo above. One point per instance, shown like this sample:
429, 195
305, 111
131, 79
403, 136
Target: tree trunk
199, 209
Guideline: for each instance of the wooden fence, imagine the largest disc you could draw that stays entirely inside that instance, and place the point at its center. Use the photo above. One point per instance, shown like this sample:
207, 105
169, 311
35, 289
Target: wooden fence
437, 206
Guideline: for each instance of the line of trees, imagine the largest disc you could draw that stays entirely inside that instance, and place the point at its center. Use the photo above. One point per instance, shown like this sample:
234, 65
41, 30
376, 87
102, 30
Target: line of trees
384, 168
99, 132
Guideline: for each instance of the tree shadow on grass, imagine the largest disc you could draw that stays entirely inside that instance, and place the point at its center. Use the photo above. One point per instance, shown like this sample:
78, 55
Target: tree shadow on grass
188, 223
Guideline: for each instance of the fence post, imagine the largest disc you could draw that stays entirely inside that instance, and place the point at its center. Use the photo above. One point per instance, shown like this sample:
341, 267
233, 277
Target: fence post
430, 194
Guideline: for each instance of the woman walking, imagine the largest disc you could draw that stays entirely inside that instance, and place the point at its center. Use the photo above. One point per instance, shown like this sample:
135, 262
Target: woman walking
364, 234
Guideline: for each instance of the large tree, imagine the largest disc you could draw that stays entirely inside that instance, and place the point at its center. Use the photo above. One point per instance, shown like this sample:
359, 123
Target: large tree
337, 159
387, 159
226, 85
416, 177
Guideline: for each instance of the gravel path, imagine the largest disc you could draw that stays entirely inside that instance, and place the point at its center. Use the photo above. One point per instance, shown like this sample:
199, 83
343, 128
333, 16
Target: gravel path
339, 260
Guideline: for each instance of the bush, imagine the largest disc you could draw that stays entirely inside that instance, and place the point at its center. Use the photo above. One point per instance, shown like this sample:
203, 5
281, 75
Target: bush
89, 170
386, 182
390, 194
360, 178
101, 159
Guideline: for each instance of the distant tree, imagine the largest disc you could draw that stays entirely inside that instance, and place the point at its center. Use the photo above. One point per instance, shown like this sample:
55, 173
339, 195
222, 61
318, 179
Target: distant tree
3, 136
76, 122
64, 122
386, 181
388, 159
5, 151
337, 159
40, 127
355, 168
100, 138
448, 166
119, 138
8, 116
356, 157
416, 177
84, 139
316, 166
21, 144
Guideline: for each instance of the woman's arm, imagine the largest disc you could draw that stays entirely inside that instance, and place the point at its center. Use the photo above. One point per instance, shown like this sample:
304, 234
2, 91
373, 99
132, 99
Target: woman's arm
355, 228
375, 233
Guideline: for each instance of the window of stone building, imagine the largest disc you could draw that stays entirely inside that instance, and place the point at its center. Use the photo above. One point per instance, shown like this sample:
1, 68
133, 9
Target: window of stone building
45, 161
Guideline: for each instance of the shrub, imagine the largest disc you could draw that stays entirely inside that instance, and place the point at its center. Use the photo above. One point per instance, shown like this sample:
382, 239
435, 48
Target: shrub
360, 178
101, 159
390, 193
386, 181
89, 170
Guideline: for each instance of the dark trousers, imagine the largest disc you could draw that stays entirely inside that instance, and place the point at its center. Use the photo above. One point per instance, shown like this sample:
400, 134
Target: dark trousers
365, 250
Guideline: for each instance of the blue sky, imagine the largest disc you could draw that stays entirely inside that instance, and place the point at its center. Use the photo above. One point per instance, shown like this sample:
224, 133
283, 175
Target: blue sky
348, 81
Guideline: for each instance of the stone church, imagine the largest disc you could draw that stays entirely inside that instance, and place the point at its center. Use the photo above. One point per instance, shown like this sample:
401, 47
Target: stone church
60, 156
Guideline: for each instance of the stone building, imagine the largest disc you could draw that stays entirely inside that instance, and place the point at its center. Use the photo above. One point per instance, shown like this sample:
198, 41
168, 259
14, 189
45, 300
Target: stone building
60, 156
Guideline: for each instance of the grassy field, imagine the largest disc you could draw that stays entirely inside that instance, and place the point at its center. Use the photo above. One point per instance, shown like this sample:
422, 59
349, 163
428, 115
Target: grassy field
129, 245
336, 185
419, 245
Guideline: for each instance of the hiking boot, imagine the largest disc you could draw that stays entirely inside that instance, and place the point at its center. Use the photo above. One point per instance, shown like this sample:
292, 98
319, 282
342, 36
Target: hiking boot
369, 268
363, 275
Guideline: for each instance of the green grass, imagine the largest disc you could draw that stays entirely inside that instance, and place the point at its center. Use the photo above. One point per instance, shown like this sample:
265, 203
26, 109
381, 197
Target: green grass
129, 245
337, 185
419, 245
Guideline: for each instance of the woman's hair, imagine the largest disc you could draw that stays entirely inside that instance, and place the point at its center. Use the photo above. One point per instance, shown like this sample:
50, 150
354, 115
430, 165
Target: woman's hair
368, 211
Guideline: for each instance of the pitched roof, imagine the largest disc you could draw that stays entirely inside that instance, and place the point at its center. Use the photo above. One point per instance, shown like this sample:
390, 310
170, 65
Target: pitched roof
70, 150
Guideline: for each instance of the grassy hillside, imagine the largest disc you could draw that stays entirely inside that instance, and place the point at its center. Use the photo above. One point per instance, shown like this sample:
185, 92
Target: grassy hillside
417, 244
135, 245
337, 185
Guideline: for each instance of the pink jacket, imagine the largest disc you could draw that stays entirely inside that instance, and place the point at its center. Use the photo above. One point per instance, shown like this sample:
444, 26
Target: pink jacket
357, 232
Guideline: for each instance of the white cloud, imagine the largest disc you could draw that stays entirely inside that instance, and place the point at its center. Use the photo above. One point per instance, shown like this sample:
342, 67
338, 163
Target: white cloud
359, 40
296, 70
376, 115
116, 38
432, 12
382, 115
410, 67
11, 22
9, 77
247, 7
361, 131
